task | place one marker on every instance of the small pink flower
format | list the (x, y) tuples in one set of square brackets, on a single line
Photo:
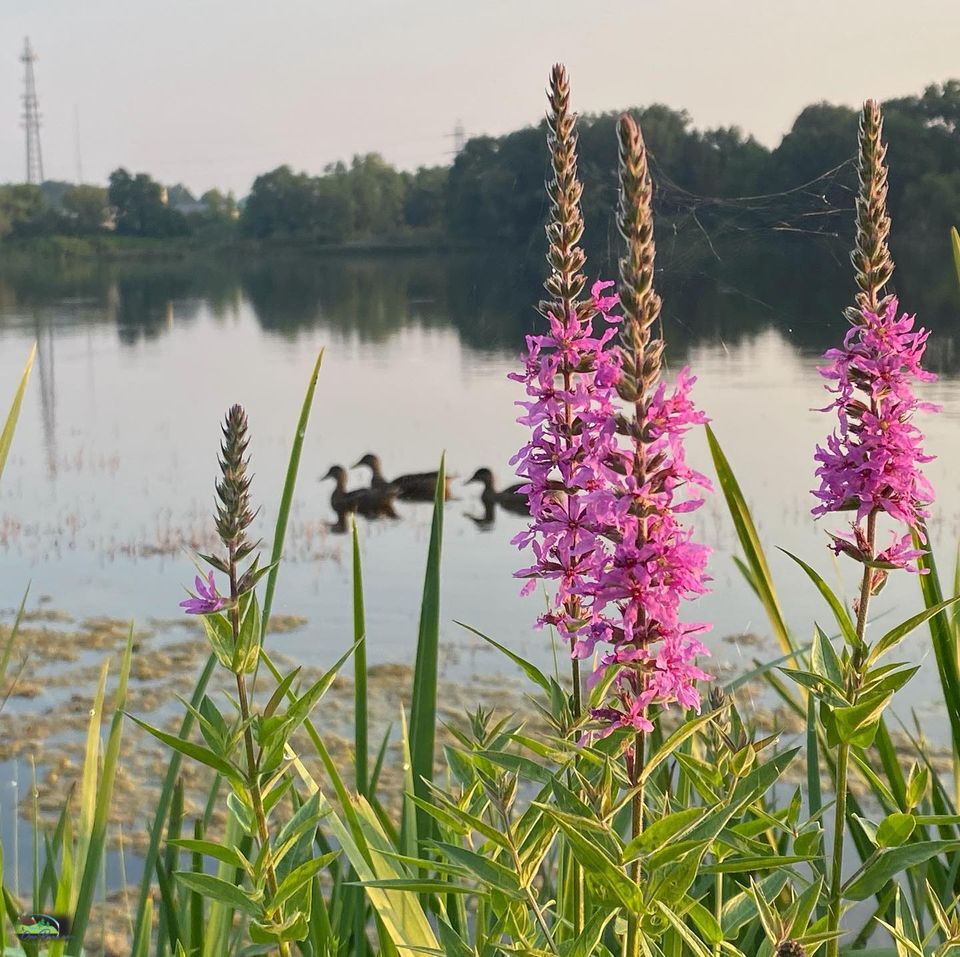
[(207, 600)]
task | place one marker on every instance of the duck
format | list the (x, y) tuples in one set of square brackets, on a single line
[(512, 499), (365, 501), (417, 486)]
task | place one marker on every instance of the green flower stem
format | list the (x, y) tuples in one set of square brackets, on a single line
[(528, 892), (633, 924), (253, 783), (718, 908), (843, 753)]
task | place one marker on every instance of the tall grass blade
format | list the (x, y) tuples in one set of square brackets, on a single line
[(286, 499), (6, 436), (423, 705), (761, 580), (944, 646), (104, 800), (7, 652), (359, 673), (955, 243), (141, 928)]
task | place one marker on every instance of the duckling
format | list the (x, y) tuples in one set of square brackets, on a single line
[(415, 487), (365, 501), (512, 499)]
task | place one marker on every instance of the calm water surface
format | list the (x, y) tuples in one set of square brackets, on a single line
[(112, 472)]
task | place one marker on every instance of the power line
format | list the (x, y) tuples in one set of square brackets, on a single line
[(31, 116)]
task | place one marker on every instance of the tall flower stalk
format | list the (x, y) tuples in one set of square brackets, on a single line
[(566, 281), (233, 626), (655, 562), (607, 487), (870, 464)]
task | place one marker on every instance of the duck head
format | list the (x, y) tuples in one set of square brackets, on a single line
[(371, 461), (337, 472), (482, 475)]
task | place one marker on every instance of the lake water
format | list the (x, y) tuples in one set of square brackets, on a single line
[(112, 471)]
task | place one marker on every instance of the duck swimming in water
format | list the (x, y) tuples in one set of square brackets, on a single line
[(365, 501), (511, 498), (415, 487)]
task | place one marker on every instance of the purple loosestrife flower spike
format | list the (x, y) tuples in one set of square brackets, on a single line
[(234, 513), (870, 464), (871, 256), (606, 489), (654, 564), (565, 256), (569, 381), (207, 599)]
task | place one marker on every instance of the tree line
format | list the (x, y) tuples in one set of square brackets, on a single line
[(493, 191)]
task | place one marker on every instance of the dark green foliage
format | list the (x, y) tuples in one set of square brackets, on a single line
[(140, 207)]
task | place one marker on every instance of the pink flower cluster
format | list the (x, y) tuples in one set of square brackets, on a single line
[(871, 463), (605, 520)]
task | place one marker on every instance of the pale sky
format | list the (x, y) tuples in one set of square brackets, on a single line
[(213, 92)]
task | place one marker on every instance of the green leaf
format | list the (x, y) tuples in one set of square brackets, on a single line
[(530, 670), (895, 829), (685, 731), (246, 653), (669, 884), (286, 498), (941, 635), (597, 863), (299, 877), (955, 243), (423, 708), (300, 709), (889, 862), (893, 637), (360, 704), (483, 868), (847, 628), (857, 723), (196, 751), (761, 580), (220, 635), (223, 891), (741, 865), (142, 929), (588, 942), (96, 839), (220, 852), (824, 659), (9, 427), (663, 831)]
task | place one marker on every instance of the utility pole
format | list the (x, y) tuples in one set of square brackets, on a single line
[(76, 126), (31, 116), (459, 137)]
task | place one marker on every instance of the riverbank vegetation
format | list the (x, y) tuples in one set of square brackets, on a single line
[(640, 808), (492, 193)]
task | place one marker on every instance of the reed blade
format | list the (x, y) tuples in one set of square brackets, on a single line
[(6, 436), (423, 705)]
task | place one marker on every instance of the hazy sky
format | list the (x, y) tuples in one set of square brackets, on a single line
[(212, 92)]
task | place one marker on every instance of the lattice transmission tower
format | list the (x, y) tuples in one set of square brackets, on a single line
[(31, 116)]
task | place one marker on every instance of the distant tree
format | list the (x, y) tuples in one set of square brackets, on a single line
[(284, 204), (21, 208), (139, 207), (87, 207), (377, 191), (424, 205), (220, 206)]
